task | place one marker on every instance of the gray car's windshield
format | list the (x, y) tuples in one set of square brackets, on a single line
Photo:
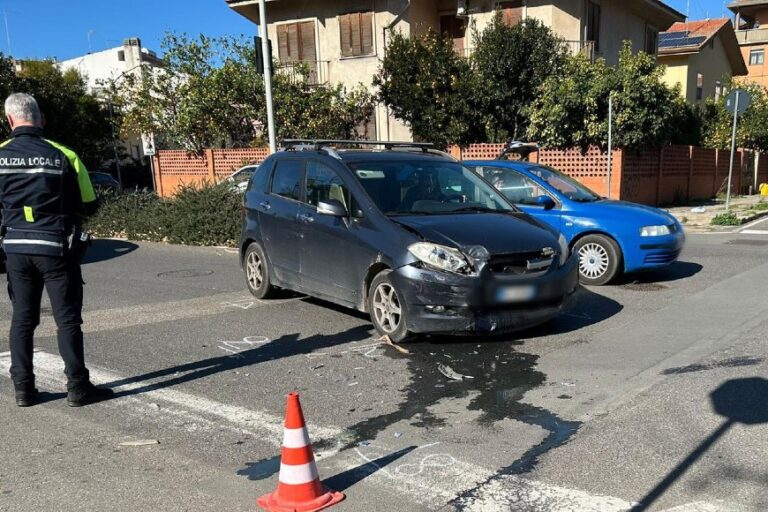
[(427, 188)]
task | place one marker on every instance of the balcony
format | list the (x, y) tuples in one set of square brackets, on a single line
[(311, 72), (586, 48), (752, 36)]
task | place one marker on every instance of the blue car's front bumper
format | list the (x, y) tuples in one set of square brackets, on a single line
[(641, 253)]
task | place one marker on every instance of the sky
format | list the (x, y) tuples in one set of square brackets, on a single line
[(69, 28)]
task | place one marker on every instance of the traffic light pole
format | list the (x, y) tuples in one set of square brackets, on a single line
[(267, 74)]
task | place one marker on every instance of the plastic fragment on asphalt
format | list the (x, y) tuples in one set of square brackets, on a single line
[(318, 367), (353, 384), (363, 443), (448, 372), (698, 209), (141, 442), (398, 434)]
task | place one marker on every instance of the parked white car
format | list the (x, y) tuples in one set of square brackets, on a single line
[(242, 176)]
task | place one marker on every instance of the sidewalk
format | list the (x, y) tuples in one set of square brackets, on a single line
[(697, 217)]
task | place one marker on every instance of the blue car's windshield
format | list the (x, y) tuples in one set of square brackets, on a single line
[(427, 188), (564, 184)]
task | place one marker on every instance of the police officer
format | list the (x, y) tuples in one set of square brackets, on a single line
[(45, 191)]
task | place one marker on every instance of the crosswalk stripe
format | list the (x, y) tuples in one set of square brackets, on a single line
[(49, 368)]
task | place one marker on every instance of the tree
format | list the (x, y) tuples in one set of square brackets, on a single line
[(429, 87), (511, 64), (208, 94), (572, 108), (752, 129), (73, 116)]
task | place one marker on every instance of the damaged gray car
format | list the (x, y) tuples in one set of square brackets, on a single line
[(403, 232)]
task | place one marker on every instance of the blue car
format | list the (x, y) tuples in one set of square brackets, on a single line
[(610, 237)]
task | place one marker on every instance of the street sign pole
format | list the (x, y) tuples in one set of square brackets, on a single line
[(733, 152), (267, 74), (610, 141)]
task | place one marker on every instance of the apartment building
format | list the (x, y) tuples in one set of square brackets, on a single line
[(343, 41), (751, 22)]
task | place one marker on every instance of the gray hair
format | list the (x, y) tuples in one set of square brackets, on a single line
[(23, 107)]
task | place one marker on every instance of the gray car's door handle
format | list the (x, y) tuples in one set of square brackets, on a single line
[(307, 218), (265, 205)]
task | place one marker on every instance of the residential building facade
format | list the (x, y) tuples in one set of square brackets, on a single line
[(751, 22), (102, 67), (701, 56), (344, 41)]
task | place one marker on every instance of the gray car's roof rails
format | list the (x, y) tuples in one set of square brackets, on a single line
[(518, 148), (387, 144)]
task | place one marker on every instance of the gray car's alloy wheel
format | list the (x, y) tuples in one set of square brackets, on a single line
[(387, 309), (599, 259), (256, 271)]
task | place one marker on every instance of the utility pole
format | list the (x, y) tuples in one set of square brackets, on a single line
[(610, 140), (267, 75), (7, 33), (733, 151)]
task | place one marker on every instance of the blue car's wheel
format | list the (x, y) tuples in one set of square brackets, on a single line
[(599, 259)]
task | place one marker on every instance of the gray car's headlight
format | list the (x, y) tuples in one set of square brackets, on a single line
[(440, 257), (565, 251), (654, 231)]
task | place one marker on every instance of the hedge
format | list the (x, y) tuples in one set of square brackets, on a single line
[(198, 215)]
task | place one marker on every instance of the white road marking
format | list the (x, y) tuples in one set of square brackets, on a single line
[(427, 476), (754, 232), (49, 368)]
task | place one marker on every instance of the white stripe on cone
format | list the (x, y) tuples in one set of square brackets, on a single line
[(295, 437), (299, 474)]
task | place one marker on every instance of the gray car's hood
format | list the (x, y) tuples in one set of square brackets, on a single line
[(499, 233)]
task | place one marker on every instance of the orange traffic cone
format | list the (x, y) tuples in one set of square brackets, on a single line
[(299, 488)]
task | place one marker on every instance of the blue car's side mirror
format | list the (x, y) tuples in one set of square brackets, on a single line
[(547, 202)]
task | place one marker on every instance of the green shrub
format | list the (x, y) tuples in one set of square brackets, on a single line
[(204, 215), (726, 219), (759, 207), (198, 215)]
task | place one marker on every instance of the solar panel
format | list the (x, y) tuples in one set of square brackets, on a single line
[(679, 39)]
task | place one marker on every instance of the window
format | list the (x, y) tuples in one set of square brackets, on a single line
[(718, 89), (323, 184), (515, 187), (121, 55), (356, 32), (456, 29), (699, 87), (756, 57), (511, 12), (286, 181), (592, 28), (296, 42), (651, 40)]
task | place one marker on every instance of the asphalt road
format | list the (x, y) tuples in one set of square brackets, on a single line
[(651, 391)]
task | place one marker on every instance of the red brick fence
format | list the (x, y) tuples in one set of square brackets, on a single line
[(664, 176)]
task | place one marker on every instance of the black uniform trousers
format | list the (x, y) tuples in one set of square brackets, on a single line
[(62, 278)]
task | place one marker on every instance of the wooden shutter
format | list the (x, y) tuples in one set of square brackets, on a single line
[(345, 33), (292, 37), (308, 50), (512, 12), (357, 41), (366, 31), (282, 43)]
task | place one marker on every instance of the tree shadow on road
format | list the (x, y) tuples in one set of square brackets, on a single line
[(103, 250), (285, 346), (742, 401)]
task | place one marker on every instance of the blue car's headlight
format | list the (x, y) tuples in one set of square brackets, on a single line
[(654, 231)]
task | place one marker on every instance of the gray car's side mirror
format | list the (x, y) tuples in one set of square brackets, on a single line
[(332, 207)]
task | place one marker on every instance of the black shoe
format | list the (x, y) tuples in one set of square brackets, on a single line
[(26, 397), (88, 394)]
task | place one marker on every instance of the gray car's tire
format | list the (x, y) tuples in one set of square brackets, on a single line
[(387, 309), (256, 268), (599, 259)]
